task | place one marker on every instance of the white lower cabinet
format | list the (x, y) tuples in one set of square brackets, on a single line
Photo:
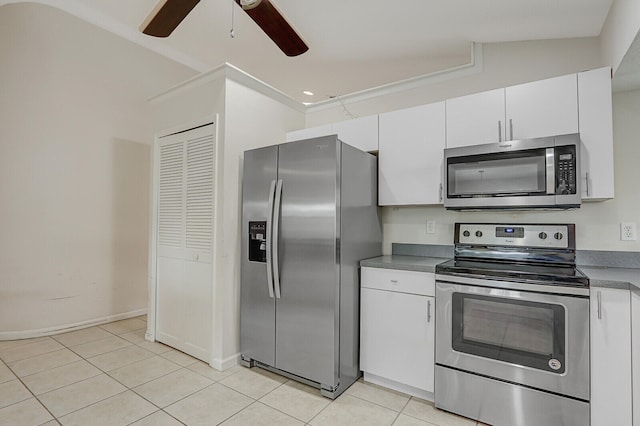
[(610, 319), (397, 332), (635, 355)]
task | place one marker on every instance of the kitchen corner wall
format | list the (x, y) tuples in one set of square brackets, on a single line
[(75, 135), (597, 222)]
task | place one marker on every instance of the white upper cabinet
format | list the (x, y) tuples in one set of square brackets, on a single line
[(361, 133), (532, 110), (542, 108), (410, 155), (596, 133), (311, 132), (476, 119)]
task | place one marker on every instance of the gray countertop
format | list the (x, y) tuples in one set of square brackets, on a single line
[(622, 278), (407, 263)]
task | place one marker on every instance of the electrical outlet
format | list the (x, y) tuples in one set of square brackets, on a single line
[(628, 231), (431, 227)]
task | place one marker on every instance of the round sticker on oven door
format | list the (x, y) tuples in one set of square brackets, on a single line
[(554, 364)]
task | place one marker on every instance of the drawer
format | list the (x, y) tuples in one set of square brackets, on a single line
[(412, 282)]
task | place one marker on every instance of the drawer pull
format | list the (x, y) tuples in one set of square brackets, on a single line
[(394, 281)]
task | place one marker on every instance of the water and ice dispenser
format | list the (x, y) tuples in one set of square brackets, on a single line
[(258, 241)]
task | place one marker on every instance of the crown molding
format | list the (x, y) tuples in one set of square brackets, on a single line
[(231, 72), (474, 66)]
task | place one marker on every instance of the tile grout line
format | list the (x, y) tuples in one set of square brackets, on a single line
[(30, 391)]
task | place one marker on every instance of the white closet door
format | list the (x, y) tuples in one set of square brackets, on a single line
[(185, 235)]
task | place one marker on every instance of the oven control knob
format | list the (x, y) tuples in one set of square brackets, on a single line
[(542, 235), (558, 235), (478, 234), (466, 233)]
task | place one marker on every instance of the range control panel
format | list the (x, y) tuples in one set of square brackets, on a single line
[(515, 235)]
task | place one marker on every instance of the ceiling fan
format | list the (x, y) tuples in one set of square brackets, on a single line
[(168, 14)]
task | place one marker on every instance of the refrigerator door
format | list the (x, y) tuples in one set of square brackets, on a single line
[(307, 313), (257, 306)]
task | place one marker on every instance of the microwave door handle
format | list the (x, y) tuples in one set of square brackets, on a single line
[(551, 170)]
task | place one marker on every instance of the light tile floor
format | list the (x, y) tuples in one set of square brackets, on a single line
[(109, 375)]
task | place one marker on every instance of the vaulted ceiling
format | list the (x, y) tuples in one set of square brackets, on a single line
[(353, 44)]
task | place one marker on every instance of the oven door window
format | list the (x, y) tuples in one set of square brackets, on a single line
[(525, 333), (501, 174)]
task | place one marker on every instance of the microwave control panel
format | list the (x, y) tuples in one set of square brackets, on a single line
[(566, 173)]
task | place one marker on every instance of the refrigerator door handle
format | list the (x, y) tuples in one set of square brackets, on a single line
[(269, 234), (274, 238)]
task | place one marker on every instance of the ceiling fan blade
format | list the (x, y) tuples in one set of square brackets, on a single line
[(166, 16), (264, 13)]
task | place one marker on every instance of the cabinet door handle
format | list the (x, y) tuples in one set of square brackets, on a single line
[(428, 311), (499, 130), (510, 129), (440, 193), (599, 298), (587, 182)]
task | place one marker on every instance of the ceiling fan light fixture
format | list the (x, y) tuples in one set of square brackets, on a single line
[(250, 4)]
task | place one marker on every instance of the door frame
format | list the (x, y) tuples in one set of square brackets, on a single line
[(152, 276)]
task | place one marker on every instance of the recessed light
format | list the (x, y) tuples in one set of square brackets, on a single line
[(308, 93)]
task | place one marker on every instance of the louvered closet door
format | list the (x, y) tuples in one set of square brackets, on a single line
[(185, 240)]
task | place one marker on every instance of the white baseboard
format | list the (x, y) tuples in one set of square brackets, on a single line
[(224, 364), (400, 387), (28, 334)]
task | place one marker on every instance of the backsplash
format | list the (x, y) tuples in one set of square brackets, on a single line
[(610, 259)]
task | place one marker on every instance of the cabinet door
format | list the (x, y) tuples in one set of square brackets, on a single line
[(542, 108), (476, 119), (596, 133), (361, 133), (635, 355), (397, 337), (184, 234), (410, 156), (610, 357)]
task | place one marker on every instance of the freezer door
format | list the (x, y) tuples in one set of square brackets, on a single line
[(307, 311), (257, 307)]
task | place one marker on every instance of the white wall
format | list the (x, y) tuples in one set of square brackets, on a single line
[(597, 223), (619, 30), (75, 130)]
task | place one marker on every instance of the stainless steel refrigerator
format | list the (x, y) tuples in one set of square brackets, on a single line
[(309, 214)]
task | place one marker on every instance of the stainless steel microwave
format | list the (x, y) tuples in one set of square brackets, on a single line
[(523, 174)]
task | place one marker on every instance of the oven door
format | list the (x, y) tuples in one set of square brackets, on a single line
[(534, 339)]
